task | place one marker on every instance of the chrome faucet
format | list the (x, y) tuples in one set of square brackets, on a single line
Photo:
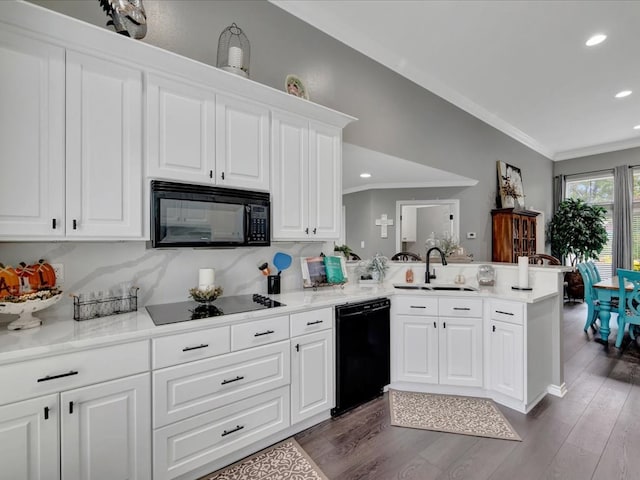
[(428, 275)]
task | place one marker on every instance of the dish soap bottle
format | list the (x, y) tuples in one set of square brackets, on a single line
[(408, 276)]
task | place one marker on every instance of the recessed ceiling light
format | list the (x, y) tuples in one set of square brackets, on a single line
[(623, 93), (365, 175), (637, 127), (596, 39)]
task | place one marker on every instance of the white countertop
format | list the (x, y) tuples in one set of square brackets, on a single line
[(61, 334)]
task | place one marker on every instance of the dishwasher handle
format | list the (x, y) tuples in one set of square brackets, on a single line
[(363, 312)]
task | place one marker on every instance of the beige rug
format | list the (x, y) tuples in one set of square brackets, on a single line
[(449, 413), (283, 461)]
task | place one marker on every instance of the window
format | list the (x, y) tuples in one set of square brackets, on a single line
[(597, 189), (635, 222)]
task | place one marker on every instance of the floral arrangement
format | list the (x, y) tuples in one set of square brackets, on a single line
[(205, 296), (508, 189), (374, 268)]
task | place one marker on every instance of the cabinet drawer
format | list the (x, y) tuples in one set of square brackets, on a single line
[(63, 372), (409, 305), (190, 346), (460, 307), (510, 312), (313, 321), (186, 390), (259, 332), (192, 443)]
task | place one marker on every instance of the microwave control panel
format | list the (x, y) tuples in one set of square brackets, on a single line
[(259, 223)]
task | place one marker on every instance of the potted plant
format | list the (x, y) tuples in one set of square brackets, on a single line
[(577, 232), (344, 249), (373, 269)]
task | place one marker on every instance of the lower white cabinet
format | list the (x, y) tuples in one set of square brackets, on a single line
[(312, 379), (29, 440), (506, 359), (184, 446), (432, 349), (106, 430)]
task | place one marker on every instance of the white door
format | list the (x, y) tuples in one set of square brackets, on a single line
[(180, 121), (106, 431), (242, 144), (461, 351), (31, 137), (506, 370), (311, 375), (29, 446), (325, 181), (290, 177), (417, 348), (104, 148)]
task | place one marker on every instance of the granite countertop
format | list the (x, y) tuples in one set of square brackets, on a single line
[(61, 334)]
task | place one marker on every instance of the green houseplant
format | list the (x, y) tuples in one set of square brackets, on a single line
[(576, 231), (373, 269)]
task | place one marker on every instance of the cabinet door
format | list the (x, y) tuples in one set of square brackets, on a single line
[(104, 148), (460, 351), (416, 346), (289, 177), (311, 375), (29, 446), (106, 431), (180, 130), (409, 222), (242, 144), (506, 368), (325, 181), (32, 137)]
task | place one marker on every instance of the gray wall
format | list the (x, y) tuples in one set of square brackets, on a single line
[(396, 116), (630, 156)]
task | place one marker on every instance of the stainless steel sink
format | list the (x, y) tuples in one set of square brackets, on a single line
[(435, 287)]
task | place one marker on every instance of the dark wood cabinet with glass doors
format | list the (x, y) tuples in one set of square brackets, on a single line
[(513, 234)]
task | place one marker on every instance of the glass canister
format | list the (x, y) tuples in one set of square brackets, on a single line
[(486, 276)]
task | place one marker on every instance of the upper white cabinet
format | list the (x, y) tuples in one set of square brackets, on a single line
[(306, 167), (72, 144), (32, 137), (104, 148), (242, 143), (180, 122)]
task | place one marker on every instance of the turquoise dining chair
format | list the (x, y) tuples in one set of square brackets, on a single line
[(593, 270), (628, 302), (590, 297)]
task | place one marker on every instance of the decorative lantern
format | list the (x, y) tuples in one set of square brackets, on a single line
[(234, 51)]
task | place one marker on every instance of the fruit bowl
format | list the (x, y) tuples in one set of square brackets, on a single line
[(26, 305)]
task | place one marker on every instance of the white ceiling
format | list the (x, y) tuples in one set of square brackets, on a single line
[(391, 172), (520, 66)]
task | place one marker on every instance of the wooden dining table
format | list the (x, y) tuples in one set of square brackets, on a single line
[(606, 290)]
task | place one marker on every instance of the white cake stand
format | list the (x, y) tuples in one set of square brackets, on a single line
[(26, 310)]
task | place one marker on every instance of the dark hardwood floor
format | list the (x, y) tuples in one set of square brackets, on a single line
[(591, 433)]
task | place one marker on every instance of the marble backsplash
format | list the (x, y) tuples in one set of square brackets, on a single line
[(163, 275)]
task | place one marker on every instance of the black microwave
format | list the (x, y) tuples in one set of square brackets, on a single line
[(184, 215)]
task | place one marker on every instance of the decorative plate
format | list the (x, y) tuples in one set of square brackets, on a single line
[(295, 86)]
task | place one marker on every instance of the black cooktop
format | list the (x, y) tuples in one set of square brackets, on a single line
[(184, 311)]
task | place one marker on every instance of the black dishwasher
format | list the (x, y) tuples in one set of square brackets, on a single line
[(362, 352)]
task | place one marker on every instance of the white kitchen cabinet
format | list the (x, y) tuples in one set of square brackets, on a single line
[(437, 340), (32, 137), (242, 143), (312, 379), (306, 173), (103, 148), (29, 441), (75, 144), (506, 368), (105, 431), (180, 120), (409, 223)]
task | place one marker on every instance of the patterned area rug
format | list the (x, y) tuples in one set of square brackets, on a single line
[(448, 413), (283, 461)]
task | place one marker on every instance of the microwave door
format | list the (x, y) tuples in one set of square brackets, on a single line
[(227, 223)]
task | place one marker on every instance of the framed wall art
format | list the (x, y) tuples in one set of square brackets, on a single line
[(509, 186)]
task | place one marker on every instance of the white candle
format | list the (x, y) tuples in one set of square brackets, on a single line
[(235, 57), (206, 278), (523, 272)]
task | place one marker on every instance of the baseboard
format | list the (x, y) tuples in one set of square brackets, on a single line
[(558, 390)]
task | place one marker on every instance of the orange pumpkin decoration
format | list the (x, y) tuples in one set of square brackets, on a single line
[(28, 278), (44, 275), (9, 282)]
